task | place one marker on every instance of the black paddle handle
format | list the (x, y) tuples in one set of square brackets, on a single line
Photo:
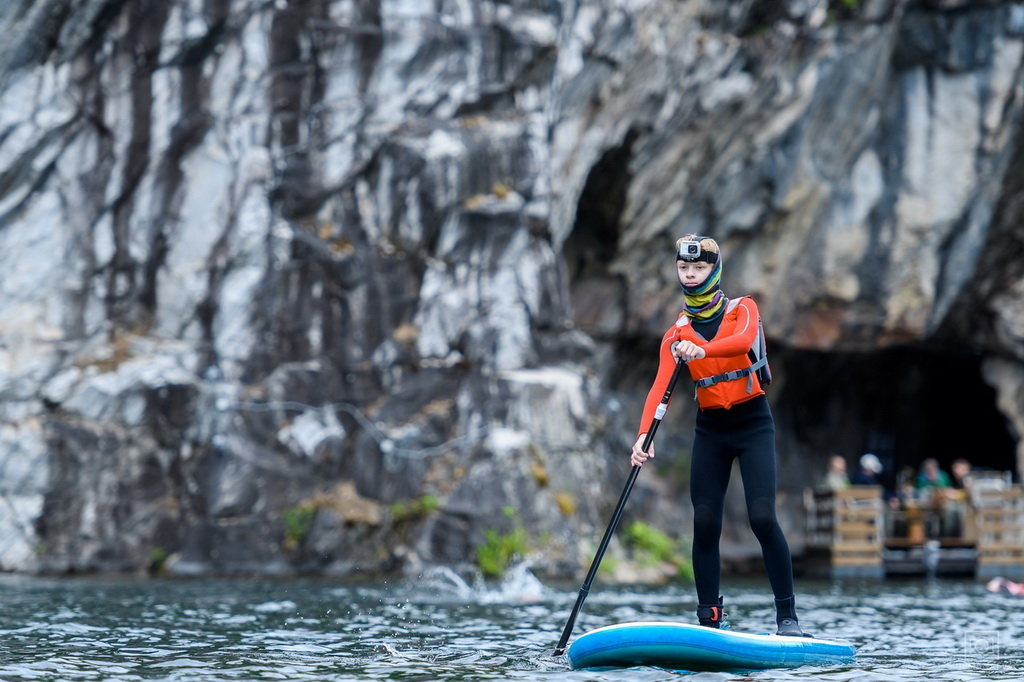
[(659, 414)]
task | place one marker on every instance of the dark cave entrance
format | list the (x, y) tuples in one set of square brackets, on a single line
[(903, 404), (598, 294)]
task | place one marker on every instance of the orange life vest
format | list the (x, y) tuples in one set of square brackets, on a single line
[(726, 376)]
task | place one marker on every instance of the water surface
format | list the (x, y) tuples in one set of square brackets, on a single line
[(441, 628)]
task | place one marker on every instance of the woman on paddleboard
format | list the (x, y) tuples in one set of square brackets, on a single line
[(714, 336)]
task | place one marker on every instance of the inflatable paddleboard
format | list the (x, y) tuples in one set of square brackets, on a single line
[(682, 646)]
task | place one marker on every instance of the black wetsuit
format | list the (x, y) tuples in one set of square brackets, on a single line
[(745, 432)]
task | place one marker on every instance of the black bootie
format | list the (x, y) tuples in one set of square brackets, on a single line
[(712, 615), (785, 618)]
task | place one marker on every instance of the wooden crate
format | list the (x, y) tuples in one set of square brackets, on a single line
[(847, 525), (857, 527), (997, 520)]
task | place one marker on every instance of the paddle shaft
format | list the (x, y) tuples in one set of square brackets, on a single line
[(659, 414)]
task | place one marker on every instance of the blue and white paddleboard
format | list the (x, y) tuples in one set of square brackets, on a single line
[(681, 646)]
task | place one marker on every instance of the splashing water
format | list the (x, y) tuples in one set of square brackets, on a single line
[(519, 585), (444, 580)]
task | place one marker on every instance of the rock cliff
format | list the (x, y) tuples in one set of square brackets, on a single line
[(338, 286)]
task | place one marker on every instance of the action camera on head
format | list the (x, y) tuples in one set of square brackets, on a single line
[(689, 251)]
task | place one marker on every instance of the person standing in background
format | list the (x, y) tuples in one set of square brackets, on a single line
[(870, 468), (836, 478), (961, 473), (931, 476)]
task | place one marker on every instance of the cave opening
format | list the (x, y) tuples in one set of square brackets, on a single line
[(598, 294), (903, 404)]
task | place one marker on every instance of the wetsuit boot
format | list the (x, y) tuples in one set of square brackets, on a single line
[(785, 618), (712, 615)]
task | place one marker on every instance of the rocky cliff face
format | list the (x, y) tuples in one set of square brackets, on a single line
[(339, 286)]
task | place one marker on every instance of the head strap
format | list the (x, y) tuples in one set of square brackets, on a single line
[(690, 251)]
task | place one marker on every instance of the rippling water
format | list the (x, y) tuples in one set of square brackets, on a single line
[(440, 628)]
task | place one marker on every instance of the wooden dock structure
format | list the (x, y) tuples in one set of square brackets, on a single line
[(854, 532), (997, 523), (845, 528)]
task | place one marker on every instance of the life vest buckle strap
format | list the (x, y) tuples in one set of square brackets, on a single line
[(719, 378), (733, 375)]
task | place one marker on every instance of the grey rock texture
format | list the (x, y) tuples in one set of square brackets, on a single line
[(338, 286)]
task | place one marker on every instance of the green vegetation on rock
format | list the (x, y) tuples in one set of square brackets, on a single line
[(412, 509), (499, 549), (651, 546), (297, 522)]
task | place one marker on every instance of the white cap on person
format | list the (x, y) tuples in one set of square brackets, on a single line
[(871, 463)]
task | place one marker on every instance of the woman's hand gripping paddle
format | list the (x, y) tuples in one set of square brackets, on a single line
[(617, 514)]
